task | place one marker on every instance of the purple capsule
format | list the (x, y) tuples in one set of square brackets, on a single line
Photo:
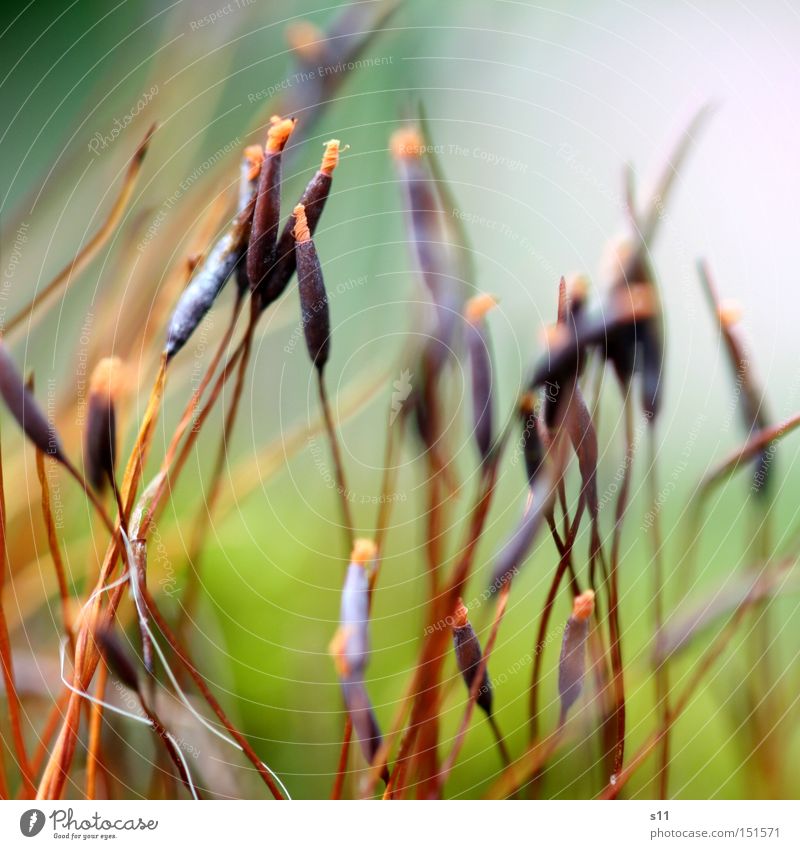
[(572, 662), (313, 297), (429, 236), (267, 213), (481, 370), (313, 201), (26, 411), (100, 441), (350, 647), (250, 172), (199, 296), (469, 655), (117, 658)]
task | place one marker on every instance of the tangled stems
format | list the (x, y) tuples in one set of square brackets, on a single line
[(618, 682)]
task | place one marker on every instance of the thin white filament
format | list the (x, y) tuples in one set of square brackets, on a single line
[(144, 624), (90, 698), (127, 714), (180, 754)]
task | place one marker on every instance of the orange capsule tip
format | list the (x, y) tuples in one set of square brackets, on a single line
[(554, 335), (279, 132), (337, 650), (460, 614), (305, 39), (642, 300), (106, 377), (407, 143), (730, 313), (583, 606), (330, 159), (364, 551), (254, 156), (578, 287), (301, 231), (477, 307), (527, 403)]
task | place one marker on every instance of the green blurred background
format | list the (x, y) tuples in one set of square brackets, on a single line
[(536, 108)]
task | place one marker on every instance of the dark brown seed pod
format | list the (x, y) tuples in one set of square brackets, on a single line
[(249, 173), (639, 347), (313, 297), (652, 345), (612, 331), (572, 662), (557, 394), (481, 369), (530, 442), (266, 217), (22, 405), (313, 201), (468, 656), (100, 440), (117, 658)]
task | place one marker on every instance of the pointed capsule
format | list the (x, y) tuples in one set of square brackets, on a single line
[(23, 407), (481, 370), (249, 173), (572, 662), (354, 613), (560, 388), (362, 715), (345, 38), (751, 396), (226, 257), (307, 42), (469, 655), (313, 201), (530, 442), (430, 238), (350, 647), (313, 297), (199, 296), (639, 346), (100, 440), (652, 344), (117, 658), (612, 332), (266, 217), (583, 437)]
